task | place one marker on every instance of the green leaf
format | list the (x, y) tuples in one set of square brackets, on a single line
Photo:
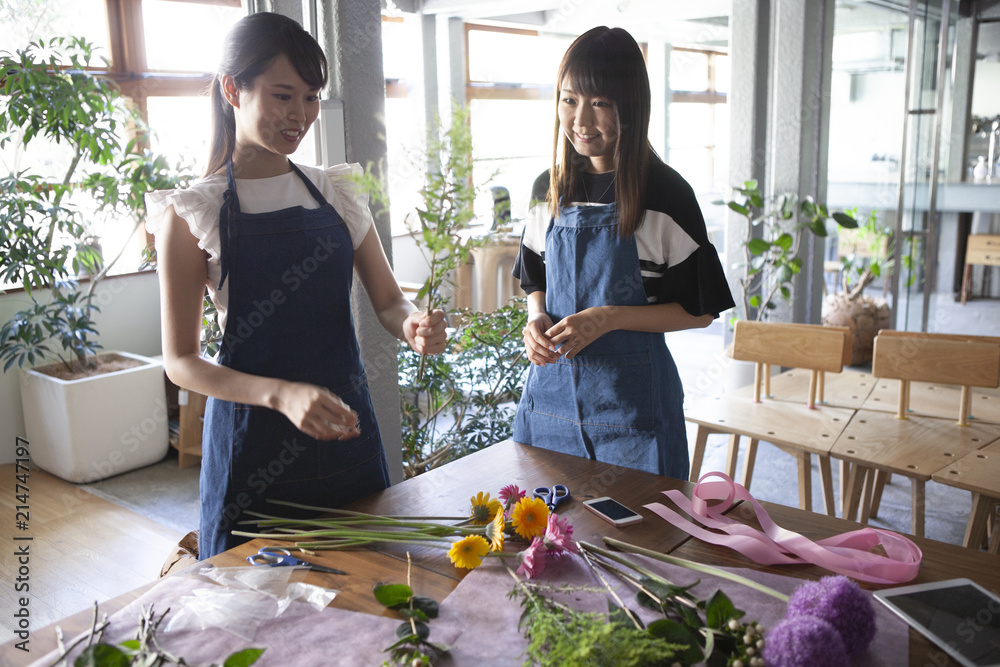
[(131, 645), (101, 655), (406, 612), (784, 241), (392, 595), (846, 221), (719, 610), (739, 208), (426, 605), (675, 633), (758, 246), (404, 630), (243, 658)]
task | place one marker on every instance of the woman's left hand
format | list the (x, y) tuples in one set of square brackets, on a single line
[(426, 333), (580, 330)]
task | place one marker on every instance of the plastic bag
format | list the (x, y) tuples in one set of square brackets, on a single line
[(239, 599)]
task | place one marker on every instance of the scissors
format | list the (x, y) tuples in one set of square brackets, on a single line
[(552, 496), (276, 556)]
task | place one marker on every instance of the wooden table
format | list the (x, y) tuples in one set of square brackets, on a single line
[(447, 490)]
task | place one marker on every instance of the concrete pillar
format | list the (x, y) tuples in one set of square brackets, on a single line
[(798, 137), (350, 32), (749, 48)]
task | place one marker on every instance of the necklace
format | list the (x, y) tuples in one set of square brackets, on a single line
[(587, 195)]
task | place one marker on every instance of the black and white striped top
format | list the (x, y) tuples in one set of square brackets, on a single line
[(676, 259)]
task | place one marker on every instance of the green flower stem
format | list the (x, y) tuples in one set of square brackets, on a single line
[(335, 510), (611, 592), (691, 565), (372, 536)]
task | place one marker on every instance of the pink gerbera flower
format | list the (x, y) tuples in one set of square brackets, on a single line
[(509, 495), (532, 559), (558, 537)]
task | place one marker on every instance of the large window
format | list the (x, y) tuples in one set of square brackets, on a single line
[(162, 53)]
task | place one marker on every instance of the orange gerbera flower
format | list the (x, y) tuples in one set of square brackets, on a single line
[(529, 518)]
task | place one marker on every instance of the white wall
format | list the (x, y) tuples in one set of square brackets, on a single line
[(129, 320)]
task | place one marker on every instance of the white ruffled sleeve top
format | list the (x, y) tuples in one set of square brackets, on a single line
[(199, 206)]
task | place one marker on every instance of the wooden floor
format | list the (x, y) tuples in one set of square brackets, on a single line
[(83, 549)]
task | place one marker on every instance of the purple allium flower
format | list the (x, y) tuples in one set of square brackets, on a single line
[(841, 603), (804, 641), (558, 536), (532, 559)]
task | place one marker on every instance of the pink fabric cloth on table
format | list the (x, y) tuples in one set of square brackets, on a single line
[(487, 620), (848, 554), (478, 620)]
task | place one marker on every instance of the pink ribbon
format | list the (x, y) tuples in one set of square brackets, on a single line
[(848, 553)]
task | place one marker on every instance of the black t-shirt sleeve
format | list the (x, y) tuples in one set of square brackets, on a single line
[(529, 267), (682, 266)]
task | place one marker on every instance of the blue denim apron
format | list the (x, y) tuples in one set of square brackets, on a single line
[(290, 275), (620, 400)]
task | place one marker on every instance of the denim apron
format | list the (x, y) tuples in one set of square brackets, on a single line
[(620, 400), (290, 275)]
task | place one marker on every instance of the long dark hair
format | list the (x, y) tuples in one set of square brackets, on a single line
[(607, 62), (250, 48)]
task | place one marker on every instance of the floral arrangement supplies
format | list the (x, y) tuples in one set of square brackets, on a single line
[(484, 603)]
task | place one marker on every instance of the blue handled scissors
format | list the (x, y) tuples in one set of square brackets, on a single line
[(276, 556), (553, 496)]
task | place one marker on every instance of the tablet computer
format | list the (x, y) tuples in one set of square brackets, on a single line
[(959, 615)]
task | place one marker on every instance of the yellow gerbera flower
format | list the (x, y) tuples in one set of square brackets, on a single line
[(494, 532), (530, 516), (468, 552), (483, 509)]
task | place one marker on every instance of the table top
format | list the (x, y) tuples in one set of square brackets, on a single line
[(447, 490)]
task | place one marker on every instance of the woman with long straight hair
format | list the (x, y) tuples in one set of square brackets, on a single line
[(276, 244), (614, 254)]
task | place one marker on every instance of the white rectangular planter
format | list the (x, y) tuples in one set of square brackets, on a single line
[(96, 427)]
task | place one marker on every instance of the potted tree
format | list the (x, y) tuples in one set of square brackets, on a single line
[(775, 227), (87, 415), (865, 255)]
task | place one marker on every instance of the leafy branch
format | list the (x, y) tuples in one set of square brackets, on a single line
[(142, 651), (774, 230)]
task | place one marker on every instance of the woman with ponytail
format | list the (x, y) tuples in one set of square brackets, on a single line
[(614, 254), (277, 244)]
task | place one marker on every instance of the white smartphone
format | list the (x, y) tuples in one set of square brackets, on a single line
[(612, 511), (959, 615)]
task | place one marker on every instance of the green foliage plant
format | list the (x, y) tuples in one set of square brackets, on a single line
[(466, 397), (870, 258), (463, 399), (775, 227), (51, 95)]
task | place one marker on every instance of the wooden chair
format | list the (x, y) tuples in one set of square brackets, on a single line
[(980, 249), (979, 473), (799, 428), (917, 446)]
